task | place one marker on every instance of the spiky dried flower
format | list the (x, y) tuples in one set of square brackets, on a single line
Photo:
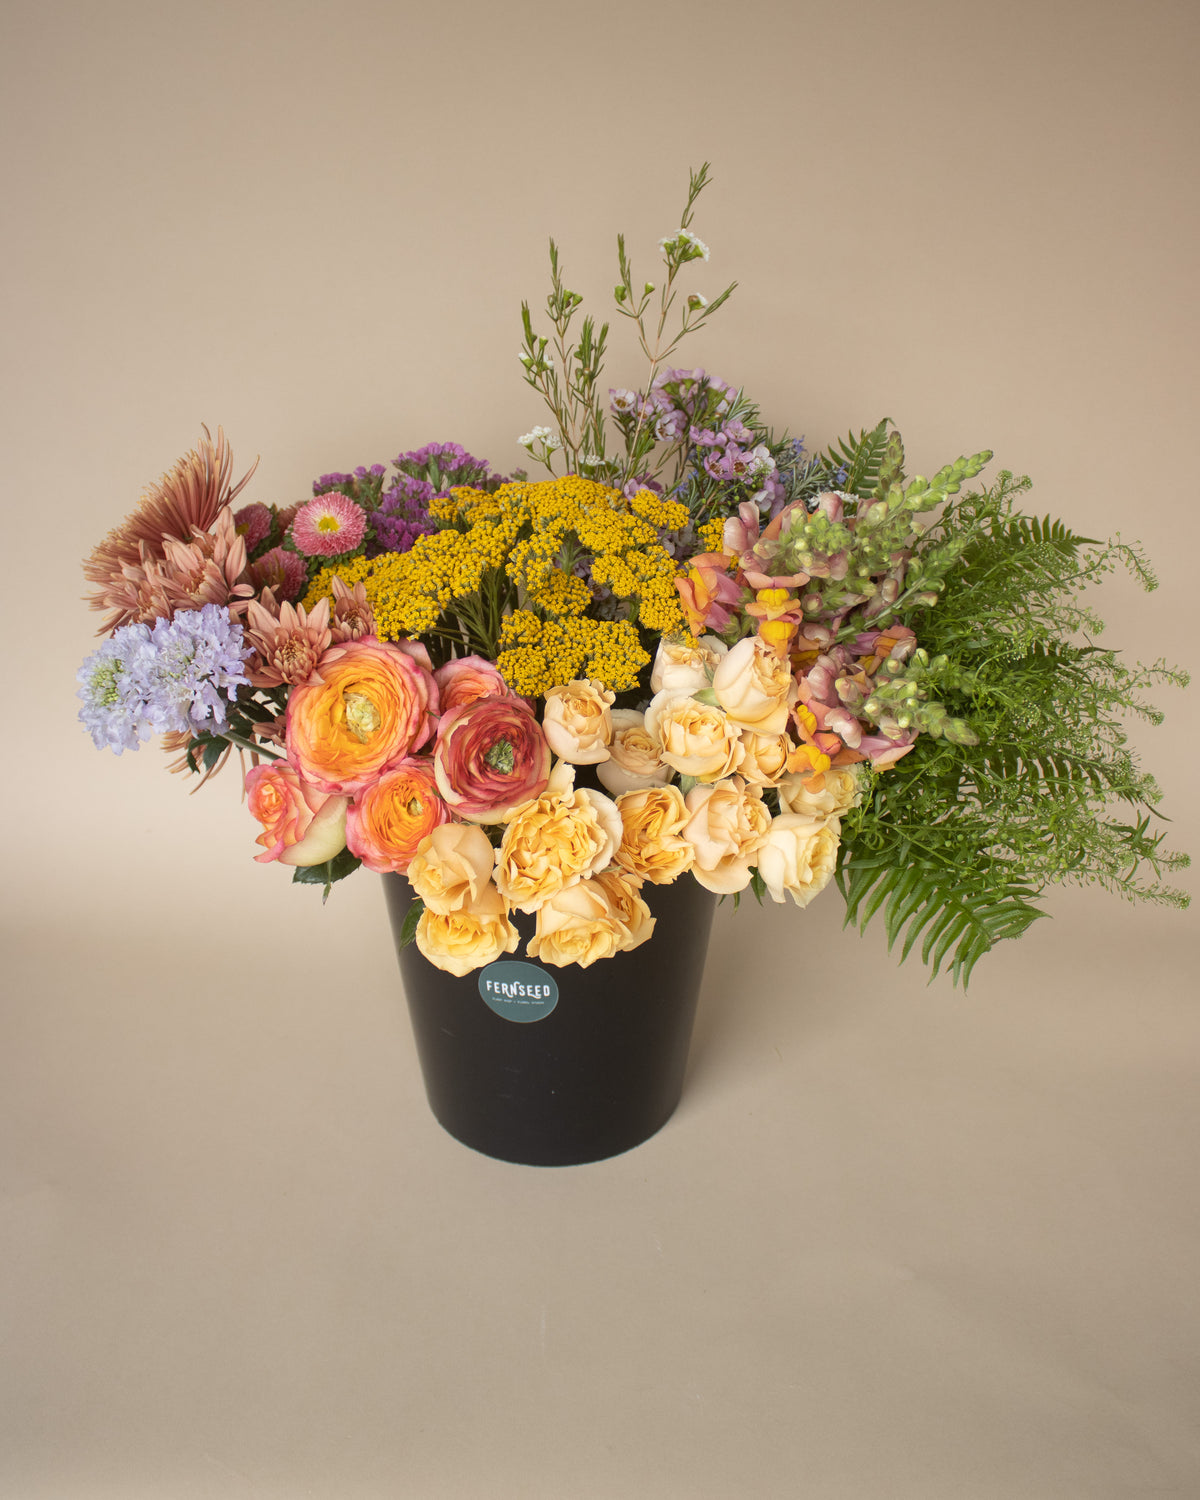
[(183, 502), (187, 576)]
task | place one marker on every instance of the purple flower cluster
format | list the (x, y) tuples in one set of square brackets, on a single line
[(403, 512), (445, 465), (403, 515), (694, 407), (332, 482), (145, 681)]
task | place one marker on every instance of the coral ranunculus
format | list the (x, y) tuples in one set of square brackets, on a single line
[(388, 821), (301, 825), (374, 707), (466, 678), (491, 756)]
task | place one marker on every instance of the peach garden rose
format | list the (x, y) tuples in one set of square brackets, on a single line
[(554, 842), (301, 825), (825, 794), (591, 920), (452, 866), (577, 721), (798, 857), (763, 758), (634, 759), (652, 845), (466, 939), (727, 825), (697, 739), (683, 668), (753, 683)]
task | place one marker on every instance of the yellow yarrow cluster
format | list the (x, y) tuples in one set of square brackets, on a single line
[(661, 513), (537, 654), (712, 535), (525, 531)]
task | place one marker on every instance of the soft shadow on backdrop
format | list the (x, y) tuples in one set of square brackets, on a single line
[(897, 1241)]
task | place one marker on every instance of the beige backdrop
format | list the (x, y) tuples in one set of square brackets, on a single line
[(897, 1242)]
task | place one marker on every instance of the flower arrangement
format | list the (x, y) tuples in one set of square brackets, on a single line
[(693, 650)]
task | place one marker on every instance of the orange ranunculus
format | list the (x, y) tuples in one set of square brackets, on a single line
[(373, 707), (387, 821)]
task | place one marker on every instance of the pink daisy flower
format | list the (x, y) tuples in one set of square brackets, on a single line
[(328, 526)]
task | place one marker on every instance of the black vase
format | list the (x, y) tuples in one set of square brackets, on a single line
[(556, 1066)]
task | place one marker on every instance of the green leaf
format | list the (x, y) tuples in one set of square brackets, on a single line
[(408, 932), (337, 868)]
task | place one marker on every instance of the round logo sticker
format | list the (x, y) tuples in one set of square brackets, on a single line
[(517, 991)]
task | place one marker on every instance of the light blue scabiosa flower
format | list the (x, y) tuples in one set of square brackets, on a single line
[(170, 678), (113, 706)]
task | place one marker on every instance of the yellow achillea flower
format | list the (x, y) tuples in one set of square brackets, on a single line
[(529, 536), (712, 535), (659, 512), (537, 655)]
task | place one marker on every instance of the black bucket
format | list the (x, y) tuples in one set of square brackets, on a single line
[(558, 1066)]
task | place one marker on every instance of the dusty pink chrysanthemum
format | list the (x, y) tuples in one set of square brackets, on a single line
[(185, 576), (288, 643), (254, 523), (281, 571), (328, 526), (352, 616)]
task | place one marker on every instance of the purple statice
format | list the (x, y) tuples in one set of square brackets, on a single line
[(331, 482), (447, 465), (147, 681), (402, 516)]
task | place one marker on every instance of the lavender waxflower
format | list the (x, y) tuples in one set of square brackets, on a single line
[(147, 681)]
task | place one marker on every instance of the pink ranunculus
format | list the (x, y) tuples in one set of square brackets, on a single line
[(490, 756), (418, 651), (466, 678), (301, 825)]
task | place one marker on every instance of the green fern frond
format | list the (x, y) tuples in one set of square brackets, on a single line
[(957, 915), (862, 458)]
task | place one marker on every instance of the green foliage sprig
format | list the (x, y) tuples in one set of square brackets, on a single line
[(565, 374)]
